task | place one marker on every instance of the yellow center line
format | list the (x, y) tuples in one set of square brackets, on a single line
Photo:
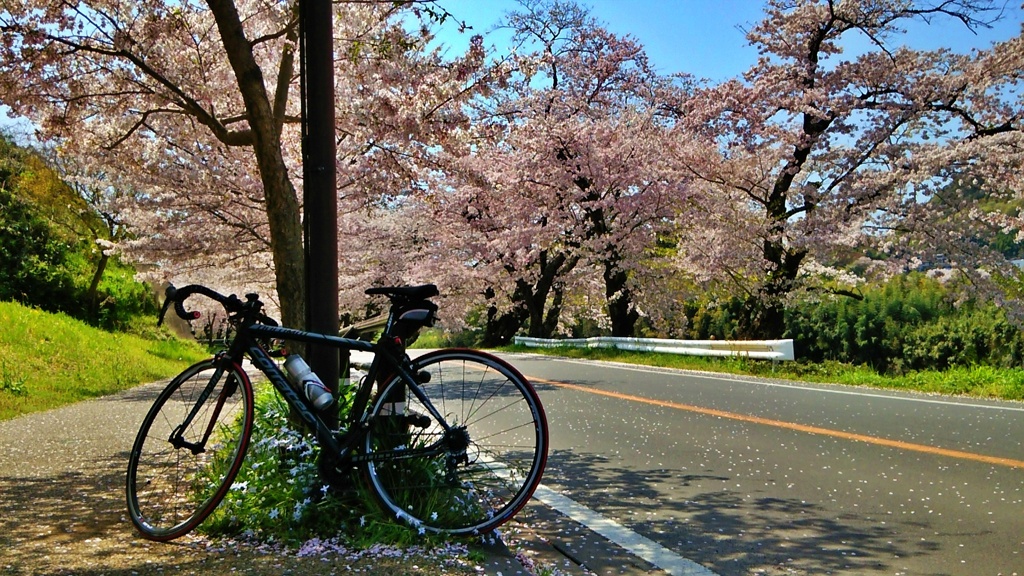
[(791, 426)]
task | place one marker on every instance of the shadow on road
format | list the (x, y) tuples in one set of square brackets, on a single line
[(146, 394), (731, 531), (74, 523)]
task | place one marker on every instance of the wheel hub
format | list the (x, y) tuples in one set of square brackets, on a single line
[(458, 440)]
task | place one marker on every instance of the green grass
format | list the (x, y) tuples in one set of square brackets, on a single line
[(49, 360), (279, 496), (976, 381)]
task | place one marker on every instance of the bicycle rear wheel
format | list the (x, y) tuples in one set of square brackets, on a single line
[(480, 472), (189, 449)]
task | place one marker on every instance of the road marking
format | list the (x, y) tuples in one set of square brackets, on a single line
[(1009, 462), (811, 387), (638, 545)]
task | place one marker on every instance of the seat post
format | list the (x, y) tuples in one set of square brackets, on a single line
[(409, 309)]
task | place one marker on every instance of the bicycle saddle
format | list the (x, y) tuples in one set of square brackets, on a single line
[(406, 292)]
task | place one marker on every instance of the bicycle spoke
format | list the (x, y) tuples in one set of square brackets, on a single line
[(170, 489), (494, 415)]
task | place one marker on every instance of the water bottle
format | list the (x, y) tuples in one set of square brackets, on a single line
[(303, 377)]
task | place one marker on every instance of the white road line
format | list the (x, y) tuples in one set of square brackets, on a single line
[(636, 544), (810, 387)]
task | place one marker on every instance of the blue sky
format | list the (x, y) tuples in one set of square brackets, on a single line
[(700, 37), (703, 37)]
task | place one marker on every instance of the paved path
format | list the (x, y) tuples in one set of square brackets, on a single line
[(752, 476), (62, 507), (61, 488)]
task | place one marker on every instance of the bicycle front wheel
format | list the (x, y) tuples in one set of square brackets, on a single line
[(189, 449), (473, 473)]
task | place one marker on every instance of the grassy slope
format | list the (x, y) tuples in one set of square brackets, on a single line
[(48, 360)]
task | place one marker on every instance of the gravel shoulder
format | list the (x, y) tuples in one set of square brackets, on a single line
[(62, 508)]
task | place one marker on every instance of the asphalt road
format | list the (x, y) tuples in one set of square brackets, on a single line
[(746, 476)]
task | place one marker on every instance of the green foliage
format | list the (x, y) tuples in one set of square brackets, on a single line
[(272, 497), (50, 360), (279, 495), (11, 381), (980, 336), (906, 324), (437, 338), (430, 338), (34, 267), (122, 299), (714, 318), (47, 253)]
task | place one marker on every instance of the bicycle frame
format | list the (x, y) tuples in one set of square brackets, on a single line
[(384, 364)]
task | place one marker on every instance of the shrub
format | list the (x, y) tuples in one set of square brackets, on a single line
[(47, 253), (33, 261), (972, 337), (122, 299), (905, 324)]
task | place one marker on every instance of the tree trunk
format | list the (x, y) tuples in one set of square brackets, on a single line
[(530, 303), (279, 194), (763, 318), (621, 311), (544, 316), (286, 239), (94, 286), (500, 328), (764, 311), (554, 312)]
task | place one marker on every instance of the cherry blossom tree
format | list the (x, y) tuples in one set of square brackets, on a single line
[(826, 151), (164, 79), (168, 79), (103, 225), (569, 178), (196, 105)]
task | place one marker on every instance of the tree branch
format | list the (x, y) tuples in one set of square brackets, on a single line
[(287, 70), (188, 104), (140, 123)]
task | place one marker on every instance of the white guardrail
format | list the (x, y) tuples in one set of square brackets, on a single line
[(760, 349)]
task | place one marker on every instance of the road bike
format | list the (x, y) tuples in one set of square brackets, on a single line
[(454, 441)]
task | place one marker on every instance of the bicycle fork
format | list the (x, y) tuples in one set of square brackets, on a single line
[(177, 437)]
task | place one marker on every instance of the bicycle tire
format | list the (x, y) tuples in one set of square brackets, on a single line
[(171, 490), (467, 492)]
